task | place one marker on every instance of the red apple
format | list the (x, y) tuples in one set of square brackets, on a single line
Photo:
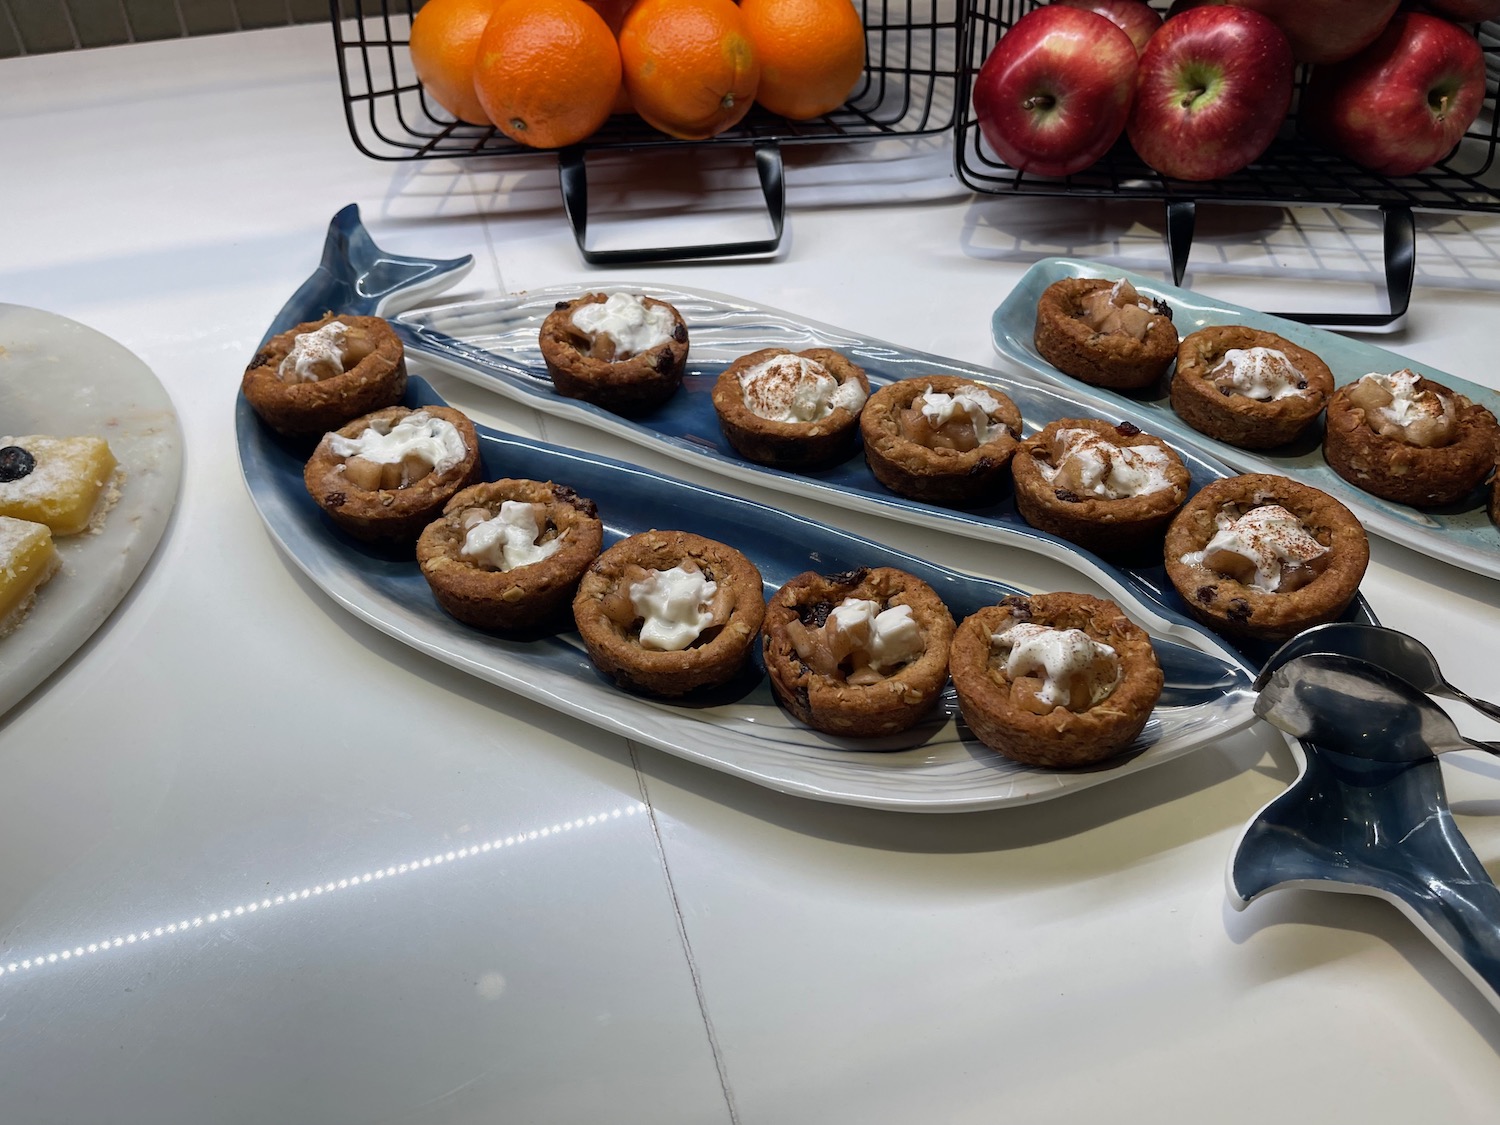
[(1470, 11), (1053, 95), (1402, 104), (1215, 84), (1320, 31), (1135, 18)]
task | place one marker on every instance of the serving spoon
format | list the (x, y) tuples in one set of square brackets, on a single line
[(1355, 707), (1396, 652)]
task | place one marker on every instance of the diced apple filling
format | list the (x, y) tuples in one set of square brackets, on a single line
[(1395, 408), (960, 421), (1119, 310), (859, 641)]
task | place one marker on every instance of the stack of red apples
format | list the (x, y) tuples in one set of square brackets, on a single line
[(1203, 91)]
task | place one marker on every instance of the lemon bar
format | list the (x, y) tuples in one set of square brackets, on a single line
[(27, 559), (57, 481)]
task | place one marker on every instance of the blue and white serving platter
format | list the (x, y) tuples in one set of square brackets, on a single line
[(937, 767), (1461, 534)]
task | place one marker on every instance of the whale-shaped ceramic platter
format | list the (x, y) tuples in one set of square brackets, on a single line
[(1461, 535), (937, 767)]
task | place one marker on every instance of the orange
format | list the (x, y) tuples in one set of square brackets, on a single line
[(613, 12), (812, 52), (689, 65), (547, 71), (444, 39)]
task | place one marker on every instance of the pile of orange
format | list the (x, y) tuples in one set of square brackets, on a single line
[(548, 73)]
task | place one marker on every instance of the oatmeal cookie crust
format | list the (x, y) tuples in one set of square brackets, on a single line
[(1235, 418), (1121, 363), (936, 476), (1106, 527), (306, 409), (828, 703), (1238, 610), (525, 596), (1410, 474), (629, 386), (616, 649), (396, 514), (1062, 737), (788, 445)]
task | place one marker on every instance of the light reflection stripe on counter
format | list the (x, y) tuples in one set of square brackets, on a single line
[(197, 921)]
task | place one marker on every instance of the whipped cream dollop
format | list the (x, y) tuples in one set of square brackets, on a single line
[(1396, 408), (974, 403), (1268, 538), (1076, 671), (1263, 374), (508, 539), (1089, 464), (627, 321), (435, 442), (793, 388), (673, 606), (315, 355)]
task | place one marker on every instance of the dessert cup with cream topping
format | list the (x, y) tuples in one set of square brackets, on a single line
[(859, 654), (1105, 333), (1264, 557), (1055, 679), (1249, 388), (508, 554), (385, 476), (668, 612), (791, 410), (1405, 438), (317, 376), (622, 351), (941, 439), (1111, 489)]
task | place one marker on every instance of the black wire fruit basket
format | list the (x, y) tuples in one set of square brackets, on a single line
[(1293, 171), (909, 88)]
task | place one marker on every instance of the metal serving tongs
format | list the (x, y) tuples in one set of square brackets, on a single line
[(1352, 706), (1395, 652)]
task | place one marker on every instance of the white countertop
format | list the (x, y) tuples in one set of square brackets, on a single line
[(716, 951)]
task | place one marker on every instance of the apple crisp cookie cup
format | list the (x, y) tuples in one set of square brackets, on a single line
[(469, 585), (610, 621), (940, 457), (1086, 510), (1205, 398), (390, 502), (1010, 709), (1436, 458), (1123, 350), (588, 366), (796, 445), (1314, 592), (827, 677), (363, 373)]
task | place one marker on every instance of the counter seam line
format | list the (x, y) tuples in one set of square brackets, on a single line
[(682, 934)]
